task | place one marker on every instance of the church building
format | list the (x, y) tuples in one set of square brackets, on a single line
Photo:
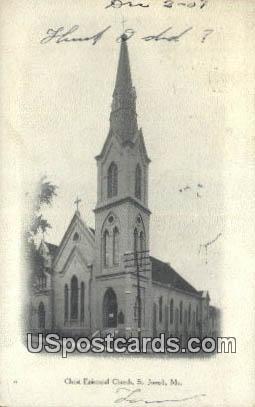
[(106, 279)]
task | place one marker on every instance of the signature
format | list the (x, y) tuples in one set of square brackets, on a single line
[(131, 397)]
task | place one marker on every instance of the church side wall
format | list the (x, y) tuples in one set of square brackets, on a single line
[(184, 325)]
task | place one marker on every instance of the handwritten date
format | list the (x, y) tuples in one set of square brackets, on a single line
[(166, 3)]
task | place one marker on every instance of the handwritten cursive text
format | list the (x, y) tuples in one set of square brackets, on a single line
[(60, 35), (131, 397)]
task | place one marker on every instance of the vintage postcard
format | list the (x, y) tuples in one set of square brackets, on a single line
[(127, 203)]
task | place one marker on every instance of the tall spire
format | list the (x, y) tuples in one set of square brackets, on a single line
[(123, 79), (123, 119)]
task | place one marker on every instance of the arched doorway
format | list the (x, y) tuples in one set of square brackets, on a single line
[(41, 315), (110, 309), (74, 297)]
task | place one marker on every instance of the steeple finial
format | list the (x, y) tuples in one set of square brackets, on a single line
[(77, 202)]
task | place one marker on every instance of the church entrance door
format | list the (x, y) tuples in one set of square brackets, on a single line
[(110, 309)]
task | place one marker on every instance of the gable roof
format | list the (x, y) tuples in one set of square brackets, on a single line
[(165, 274), (75, 251), (76, 218)]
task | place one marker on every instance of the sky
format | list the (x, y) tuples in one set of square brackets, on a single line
[(64, 94)]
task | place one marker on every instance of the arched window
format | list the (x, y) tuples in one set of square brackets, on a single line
[(141, 248), (106, 248), (74, 298), (115, 246), (171, 311), (160, 303), (189, 315), (82, 301), (41, 315), (66, 303), (181, 311), (138, 182), (112, 180), (142, 242), (135, 240), (43, 281)]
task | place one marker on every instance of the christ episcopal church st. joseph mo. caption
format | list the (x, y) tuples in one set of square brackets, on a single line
[(105, 278)]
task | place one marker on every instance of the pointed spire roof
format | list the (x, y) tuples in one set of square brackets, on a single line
[(123, 118), (123, 79)]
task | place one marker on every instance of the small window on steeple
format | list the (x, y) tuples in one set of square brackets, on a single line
[(76, 237), (112, 180), (138, 182)]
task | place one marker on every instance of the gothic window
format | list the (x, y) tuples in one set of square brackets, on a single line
[(181, 311), (76, 237), (171, 311), (66, 302), (106, 248), (110, 250), (135, 240), (112, 180), (141, 256), (82, 301), (142, 242), (41, 315), (160, 309), (115, 246), (42, 281), (74, 298), (138, 182), (189, 314), (139, 241)]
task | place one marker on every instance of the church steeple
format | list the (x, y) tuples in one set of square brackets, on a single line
[(123, 161), (122, 185), (123, 118)]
